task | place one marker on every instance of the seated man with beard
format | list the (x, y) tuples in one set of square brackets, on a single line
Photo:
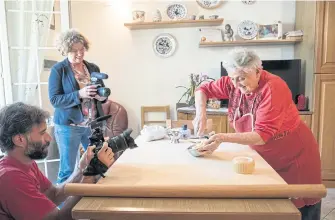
[(25, 193)]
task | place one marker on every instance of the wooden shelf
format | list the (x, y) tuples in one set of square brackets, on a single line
[(248, 42), (174, 24)]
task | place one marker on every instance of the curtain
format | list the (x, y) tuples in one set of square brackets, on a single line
[(28, 28), (2, 88), (2, 94)]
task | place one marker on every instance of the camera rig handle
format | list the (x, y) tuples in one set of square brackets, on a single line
[(96, 138), (97, 122)]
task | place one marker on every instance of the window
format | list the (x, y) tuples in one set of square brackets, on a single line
[(28, 29)]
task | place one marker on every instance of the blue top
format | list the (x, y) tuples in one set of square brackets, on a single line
[(64, 92)]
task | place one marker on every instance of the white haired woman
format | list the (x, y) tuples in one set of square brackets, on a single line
[(265, 117), (71, 97)]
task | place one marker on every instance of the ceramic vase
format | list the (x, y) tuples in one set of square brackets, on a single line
[(157, 16)]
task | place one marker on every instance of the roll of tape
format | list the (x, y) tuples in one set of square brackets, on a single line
[(244, 165)]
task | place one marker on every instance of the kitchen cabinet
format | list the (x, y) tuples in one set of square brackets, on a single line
[(324, 126), (324, 88), (317, 19), (220, 119)]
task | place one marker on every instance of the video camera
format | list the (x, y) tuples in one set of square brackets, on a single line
[(96, 79), (117, 144)]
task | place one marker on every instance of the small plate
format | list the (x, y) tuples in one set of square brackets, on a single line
[(164, 45), (176, 11), (209, 4)]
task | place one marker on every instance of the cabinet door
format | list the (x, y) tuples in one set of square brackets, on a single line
[(181, 116), (219, 122), (230, 129), (325, 41), (324, 122), (307, 119)]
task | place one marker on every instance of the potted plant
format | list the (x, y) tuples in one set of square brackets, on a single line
[(195, 81)]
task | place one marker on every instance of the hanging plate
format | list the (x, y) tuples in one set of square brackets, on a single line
[(164, 45), (209, 4), (247, 30), (248, 2), (176, 11)]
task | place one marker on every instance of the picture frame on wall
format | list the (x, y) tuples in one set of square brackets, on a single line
[(269, 31), (48, 64), (210, 35)]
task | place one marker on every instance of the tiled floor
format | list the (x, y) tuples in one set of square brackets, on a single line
[(328, 205)]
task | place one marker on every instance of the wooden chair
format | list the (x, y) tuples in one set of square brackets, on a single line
[(145, 110), (180, 123)]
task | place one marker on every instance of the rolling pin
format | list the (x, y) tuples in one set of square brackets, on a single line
[(206, 191)]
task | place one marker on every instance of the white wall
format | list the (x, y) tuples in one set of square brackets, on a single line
[(136, 75)]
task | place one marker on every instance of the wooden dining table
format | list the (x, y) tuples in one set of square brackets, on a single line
[(162, 163)]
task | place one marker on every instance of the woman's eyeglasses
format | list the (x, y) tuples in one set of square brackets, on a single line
[(78, 51)]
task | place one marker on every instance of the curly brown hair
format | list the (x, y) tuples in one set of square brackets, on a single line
[(68, 38)]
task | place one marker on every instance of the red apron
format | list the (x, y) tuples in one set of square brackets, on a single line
[(294, 155)]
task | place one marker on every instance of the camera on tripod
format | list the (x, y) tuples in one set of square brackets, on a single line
[(96, 79)]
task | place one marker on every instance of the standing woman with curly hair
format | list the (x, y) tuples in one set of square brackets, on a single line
[(71, 98)]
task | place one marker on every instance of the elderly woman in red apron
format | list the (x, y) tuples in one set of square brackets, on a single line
[(263, 114)]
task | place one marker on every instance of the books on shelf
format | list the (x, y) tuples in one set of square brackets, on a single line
[(298, 33)]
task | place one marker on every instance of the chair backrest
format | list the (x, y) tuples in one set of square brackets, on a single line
[(146, 110), (119, 120), (180, 123)]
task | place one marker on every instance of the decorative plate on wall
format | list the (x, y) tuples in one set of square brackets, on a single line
[(247, 29), (164, 45), (176, 11), (248, 2), (209, 4)]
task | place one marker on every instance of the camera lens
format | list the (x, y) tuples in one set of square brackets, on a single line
[(122, 142), (104, 92)]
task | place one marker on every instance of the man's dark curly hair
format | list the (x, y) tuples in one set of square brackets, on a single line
[(18, 118)]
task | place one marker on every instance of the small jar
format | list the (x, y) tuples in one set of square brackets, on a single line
[(184, 132)]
